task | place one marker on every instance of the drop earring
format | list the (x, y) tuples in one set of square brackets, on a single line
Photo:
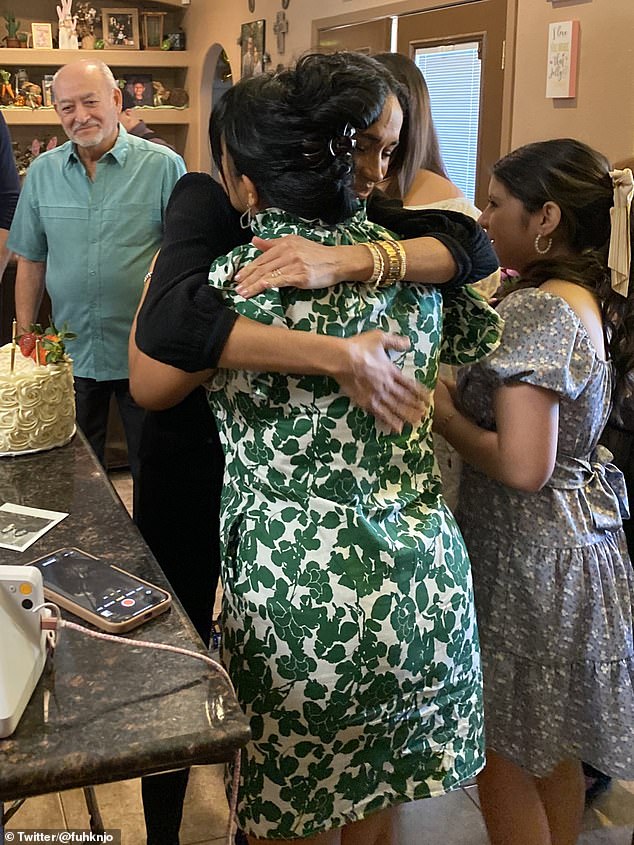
[(538, 249), (248, 214)]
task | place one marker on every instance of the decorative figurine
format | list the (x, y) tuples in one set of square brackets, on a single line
[(161, 93), (7, 95), (32, 95), (67, 27)]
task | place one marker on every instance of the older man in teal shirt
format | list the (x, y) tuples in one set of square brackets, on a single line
[(89, 220)]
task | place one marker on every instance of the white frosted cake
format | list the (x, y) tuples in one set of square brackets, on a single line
[(37, 403)]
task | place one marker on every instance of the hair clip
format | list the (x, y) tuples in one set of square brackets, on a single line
[(316, 152), (344, 143)]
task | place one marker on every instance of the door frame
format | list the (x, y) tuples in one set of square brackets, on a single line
[(484, 23), (408, 7)]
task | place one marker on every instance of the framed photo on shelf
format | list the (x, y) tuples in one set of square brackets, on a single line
[(121, 29), (140, 90), (252, 48), (42, 35), (47, 90)]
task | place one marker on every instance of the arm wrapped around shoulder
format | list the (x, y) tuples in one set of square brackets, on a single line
[(464, 237)]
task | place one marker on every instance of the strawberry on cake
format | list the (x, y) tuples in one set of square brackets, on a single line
[(37, 398)]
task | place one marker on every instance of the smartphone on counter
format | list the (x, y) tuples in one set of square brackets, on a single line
[(111, 598)]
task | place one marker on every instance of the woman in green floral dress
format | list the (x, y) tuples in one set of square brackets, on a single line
[(349, 628)]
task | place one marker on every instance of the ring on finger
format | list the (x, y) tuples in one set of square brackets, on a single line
[(276, 273)]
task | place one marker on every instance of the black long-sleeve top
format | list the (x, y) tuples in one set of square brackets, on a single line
[(185, 323)]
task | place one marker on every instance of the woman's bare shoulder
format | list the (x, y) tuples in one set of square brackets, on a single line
[(429, 187), (585, 305), (570, 291)]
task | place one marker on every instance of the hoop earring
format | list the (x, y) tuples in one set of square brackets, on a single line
[(538, 249)]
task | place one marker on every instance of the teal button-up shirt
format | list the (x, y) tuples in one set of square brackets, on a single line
[(97, 239)]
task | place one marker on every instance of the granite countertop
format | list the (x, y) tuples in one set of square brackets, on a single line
[(114, 711)]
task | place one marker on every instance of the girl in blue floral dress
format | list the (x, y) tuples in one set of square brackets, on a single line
[(541, 504), (348, 620)]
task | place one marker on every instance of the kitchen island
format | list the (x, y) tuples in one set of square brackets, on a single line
[(108, 711)]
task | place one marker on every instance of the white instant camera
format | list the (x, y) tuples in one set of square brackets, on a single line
[(22, 642)]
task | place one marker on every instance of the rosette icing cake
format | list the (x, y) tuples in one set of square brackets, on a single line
[(37, 403)]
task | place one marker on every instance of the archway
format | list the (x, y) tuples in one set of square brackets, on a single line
[(216, 78)]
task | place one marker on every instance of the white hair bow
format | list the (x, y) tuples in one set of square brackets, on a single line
[(620, 255)]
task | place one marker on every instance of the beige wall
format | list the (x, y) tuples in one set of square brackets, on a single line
[(211, 25), (602, 113)]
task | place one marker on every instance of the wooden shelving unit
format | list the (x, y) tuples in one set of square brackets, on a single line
[(171, 67), (28, 57)]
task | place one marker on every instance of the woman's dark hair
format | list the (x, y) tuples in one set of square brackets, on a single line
[(395, 86), (577, 179), (291, 133), (418, 146)]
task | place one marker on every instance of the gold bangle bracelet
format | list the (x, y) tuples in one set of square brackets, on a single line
[(399, 251), (392, 262), (397, 263), (378, 271), (402, 258), (385, 276)]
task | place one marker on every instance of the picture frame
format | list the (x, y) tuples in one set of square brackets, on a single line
[(42, 35), (152, 30), (252, 48), (140, 90), (121, 29), (563, 59), (48, 99)]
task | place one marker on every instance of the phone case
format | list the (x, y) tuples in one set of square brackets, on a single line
[(94, 618)]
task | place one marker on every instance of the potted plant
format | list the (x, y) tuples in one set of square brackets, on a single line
[(23, 39), (13, 26)]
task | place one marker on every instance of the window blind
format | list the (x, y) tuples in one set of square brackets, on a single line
[(452, 73)]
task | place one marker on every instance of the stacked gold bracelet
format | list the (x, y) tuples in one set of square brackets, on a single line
[(378, 269), (389, 263), (396, 260)]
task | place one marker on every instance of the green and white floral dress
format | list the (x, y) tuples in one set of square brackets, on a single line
[(348, 621)]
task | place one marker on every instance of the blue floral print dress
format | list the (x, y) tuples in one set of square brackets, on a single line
[(348, 621), (554, 584)]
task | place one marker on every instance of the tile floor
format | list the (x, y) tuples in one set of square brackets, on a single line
[(453, 819)]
